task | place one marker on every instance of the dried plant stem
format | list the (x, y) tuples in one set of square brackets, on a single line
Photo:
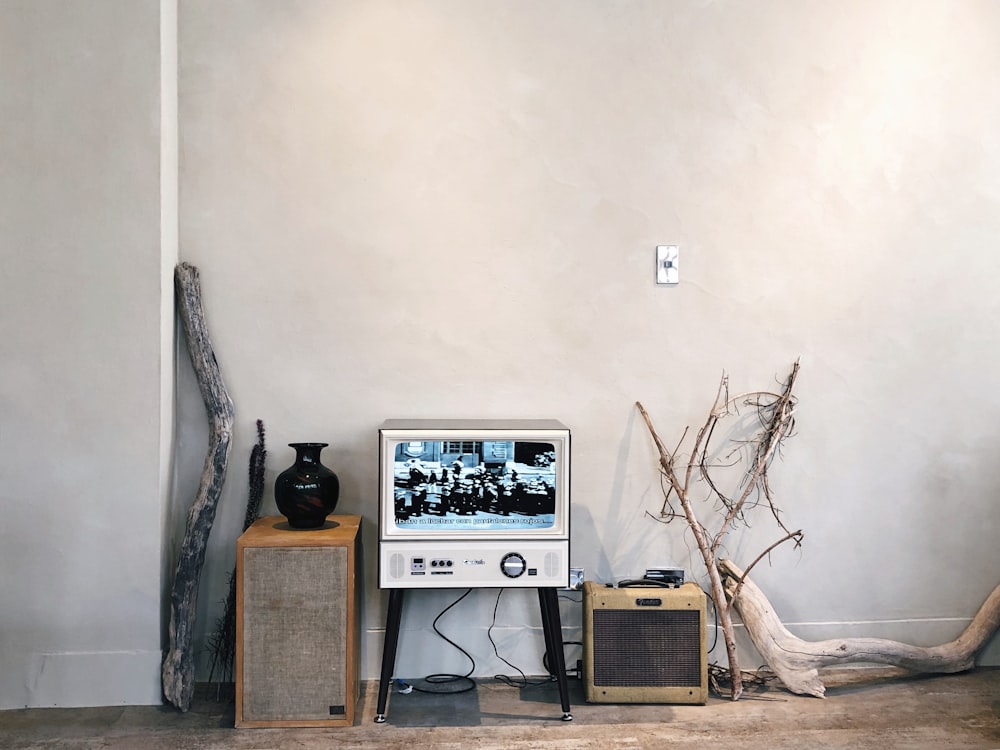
[(222, 643)]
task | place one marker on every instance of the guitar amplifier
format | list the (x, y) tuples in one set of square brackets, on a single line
[(644, 644)]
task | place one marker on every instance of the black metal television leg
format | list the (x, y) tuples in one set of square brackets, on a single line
[(392, 620), (548, 601)]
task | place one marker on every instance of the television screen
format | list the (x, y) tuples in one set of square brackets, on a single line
[(474, 484), (474, 478)]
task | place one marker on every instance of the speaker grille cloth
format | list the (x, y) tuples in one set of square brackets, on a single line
[(294, 631), (551, 565), (655, 648), (397, 566)]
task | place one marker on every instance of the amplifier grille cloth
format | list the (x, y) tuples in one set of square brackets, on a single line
[(294, 622), (655, 648)]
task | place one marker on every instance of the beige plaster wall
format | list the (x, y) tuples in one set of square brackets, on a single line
[(83, 376), (448, 208)]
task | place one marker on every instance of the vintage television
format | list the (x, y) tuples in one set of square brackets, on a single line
[(473, 503)]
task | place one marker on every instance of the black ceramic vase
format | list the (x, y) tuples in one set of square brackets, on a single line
[(306, 492)]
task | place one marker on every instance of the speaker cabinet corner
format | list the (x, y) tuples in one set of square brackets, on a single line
[(298, 596), (644, 645)]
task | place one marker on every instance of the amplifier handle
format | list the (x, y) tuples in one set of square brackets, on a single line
[(644, 582)]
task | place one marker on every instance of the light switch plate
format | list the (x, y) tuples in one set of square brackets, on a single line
[(668, 264)]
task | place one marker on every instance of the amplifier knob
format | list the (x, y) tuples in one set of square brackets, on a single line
[(513, 565)]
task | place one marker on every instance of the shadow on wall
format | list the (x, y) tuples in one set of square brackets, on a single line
[(630, 539)]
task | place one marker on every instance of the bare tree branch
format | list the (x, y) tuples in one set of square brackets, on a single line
[(775, 415), (796, 535)]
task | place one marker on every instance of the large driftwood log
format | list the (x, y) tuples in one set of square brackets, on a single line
[(795, 662), (178, 666)]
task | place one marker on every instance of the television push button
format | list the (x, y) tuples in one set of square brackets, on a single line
[(513, 565)]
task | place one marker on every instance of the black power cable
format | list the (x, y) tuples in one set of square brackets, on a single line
[(445, 678), (468, 682), (507, 679)]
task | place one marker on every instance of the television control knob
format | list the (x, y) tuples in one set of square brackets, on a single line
[(513, 565)]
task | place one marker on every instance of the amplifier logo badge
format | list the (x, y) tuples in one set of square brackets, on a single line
[(474, 562)]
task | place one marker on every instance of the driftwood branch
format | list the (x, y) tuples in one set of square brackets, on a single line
[(791, 535), (796, 662), (775, 413), (178, 666), (704, 546)]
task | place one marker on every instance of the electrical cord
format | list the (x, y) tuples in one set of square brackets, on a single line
[(507, 679), (445, 678), (576, 674), (468, 682), (715, 611)]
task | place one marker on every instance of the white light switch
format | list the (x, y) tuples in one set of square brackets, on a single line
[(667, 264)]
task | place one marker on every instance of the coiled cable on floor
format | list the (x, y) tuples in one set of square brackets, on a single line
[(465, 680), (523, 682)]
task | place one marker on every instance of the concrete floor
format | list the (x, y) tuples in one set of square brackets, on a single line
[(863, 709)]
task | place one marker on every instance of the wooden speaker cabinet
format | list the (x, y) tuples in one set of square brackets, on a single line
[(644, 644), (298, 623)]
